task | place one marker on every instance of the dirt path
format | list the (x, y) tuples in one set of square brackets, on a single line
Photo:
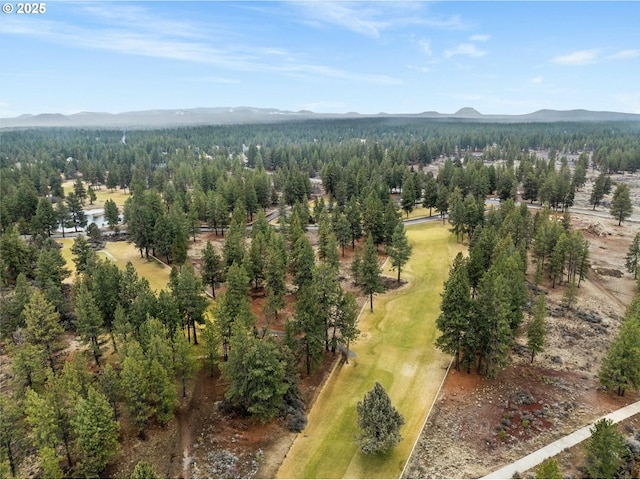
[(184, 442)]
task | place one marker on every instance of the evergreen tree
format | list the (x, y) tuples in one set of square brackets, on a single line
[(453, 320), (400, 249), (356, 267), (601, 187), (63, 216), (371, 279), (605, 451), (256, 374), (78, 218), (409, 193), (45, 220), (341, 229), (109, 381), (212, 268), (89, 319), (621, 207), (233, 306), (82, 253), (549, 469), (96, 433), (491, 324), (275, 273), (136, 386), (184, 364), (42, 325), (211, 343), (355, 220), (620, 367), (112, 215), (308, 322), (373, 218), (537, 327), (11, 433), (378, 421), (186, 289), (144, 470), (346, 321), (633, 256), (302, 261)]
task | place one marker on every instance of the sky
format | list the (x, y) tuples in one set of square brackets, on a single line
[(498, 57)]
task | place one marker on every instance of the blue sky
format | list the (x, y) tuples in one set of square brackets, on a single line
[(369, 57)]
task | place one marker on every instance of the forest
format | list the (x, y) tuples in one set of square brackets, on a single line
[(261, 190)]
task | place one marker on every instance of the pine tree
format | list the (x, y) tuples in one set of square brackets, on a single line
[(633, 256), (135, 384), (82, 253), (184, 364), (211, 344), (275, 273), (537, 328), (144, 470), (89, 319), (621, 207), (605, 451), (43, 328), (620, 367), (212, 268), (186, 289), (347, 320), (453, 320), (112, 215), (301, 262), (378, 421), (308, 322), (256, 374), (400, 249), (549, 469), (356, 267), (371, 279), (96, 433)]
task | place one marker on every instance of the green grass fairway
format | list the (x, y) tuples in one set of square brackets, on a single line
[(102, 195), (396, 348), (120, 253), (155, 272)]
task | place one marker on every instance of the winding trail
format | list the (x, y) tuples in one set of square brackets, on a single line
[(554, 448)]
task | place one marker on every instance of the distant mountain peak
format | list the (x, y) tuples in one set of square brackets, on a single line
[(468, 112)]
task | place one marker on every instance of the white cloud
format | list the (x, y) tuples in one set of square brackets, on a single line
[(624, 54), (355, 17), (468, 49), (371, 18), (426, 46), (132, 41), (537, 80), (580, 57), (479, 38), (418, 68)]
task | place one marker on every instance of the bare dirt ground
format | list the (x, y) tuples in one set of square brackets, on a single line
[(204, 442), (477, 425)]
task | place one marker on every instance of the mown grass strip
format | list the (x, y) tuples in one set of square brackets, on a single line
[(397, 350)]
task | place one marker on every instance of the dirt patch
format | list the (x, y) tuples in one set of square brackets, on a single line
[(477, 425), (204, 442)]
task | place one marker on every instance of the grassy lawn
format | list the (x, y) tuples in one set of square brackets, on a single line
[(396, 349), (120, 253), (156, 273), (102, 195)]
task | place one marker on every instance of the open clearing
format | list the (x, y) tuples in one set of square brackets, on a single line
[(396, 348)]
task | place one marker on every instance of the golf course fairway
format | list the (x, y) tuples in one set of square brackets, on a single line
[(396, 348)]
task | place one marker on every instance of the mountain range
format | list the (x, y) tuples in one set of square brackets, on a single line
[(244, 115)]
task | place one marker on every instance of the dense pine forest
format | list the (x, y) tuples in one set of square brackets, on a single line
[(260, 190)]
